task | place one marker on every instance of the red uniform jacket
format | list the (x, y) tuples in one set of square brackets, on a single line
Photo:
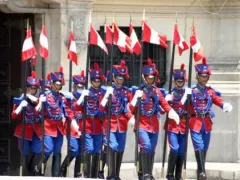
[(196, 122), (152, 97), (93, 114), (78, 115), (55, 108), (120, 113), (31, 123), (180, 109)]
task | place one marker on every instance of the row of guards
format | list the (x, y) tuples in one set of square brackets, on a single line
[(97, 117)]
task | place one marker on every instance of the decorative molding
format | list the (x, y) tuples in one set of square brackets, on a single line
[(79, 22)]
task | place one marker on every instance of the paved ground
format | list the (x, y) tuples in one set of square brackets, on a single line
[(215, 171)]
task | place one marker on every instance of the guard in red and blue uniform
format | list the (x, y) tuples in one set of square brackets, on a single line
[(55, 108), (46, 83), (79, 82), (32, 125), (120, 115), (202, 99), (151, 100), (176, 132), (93, 136)]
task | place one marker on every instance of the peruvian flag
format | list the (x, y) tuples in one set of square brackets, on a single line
[(108, 31), (196, 46), (43, 48), (122, 40), (28, 49), (135, 44), (72, 49), (152, 36), (179, 41), (95, 39)]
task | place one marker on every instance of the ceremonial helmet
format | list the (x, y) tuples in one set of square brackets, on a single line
[(121, 70), (58, 77), (180, 74), (79, 80), (47, 81), (96, 73), (33, 80), (149, 70), (203, 68)]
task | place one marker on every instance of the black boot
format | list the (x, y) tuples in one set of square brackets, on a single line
[(95, 163), (102, 164), (152, 162), (119, 162), (77, 172), (44, 161), (56, 163), (146, 165), (34, 169), (25, 165), (87, 165), (140, 173), (171, 165), (112, 167), (201, 165), (179, 165), (63, 171)]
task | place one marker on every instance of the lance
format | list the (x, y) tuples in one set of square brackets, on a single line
[(42, 111), (139, 101), (110, 102), (25, 70), (188, 111), (169, 91), (102, 117), (85, 99)]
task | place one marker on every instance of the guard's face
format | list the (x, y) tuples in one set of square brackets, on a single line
[(179, 83), (96, 83), (202, 79), (32, 90), (150, 80), (77, 87), (56, 87), (119, 80)]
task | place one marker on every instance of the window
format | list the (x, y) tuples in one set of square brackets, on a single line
[(155, 52)]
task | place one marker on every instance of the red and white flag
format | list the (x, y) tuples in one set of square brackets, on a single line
[(95, 39), (152, 36), (108, 31), (135, 44), (122, 40), (28, 49), (196, 46), (72, 49), (43, 48), (179, 41)]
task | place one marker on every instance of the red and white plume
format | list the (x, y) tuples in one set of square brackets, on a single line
[(95, 39), (28, 49), (72, 49), (43, 48), (152, 36), (135, 44), (108, 34), (179, 41), (196, 46), (122, 40)]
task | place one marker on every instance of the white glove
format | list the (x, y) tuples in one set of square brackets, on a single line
[(138, 94), (31, 97), (227, 107), (188, 90), (132, 121), (173, 115), (42, 98), (168, 97), (85, 92), (23, 104), (75, 125), (67, 94), (109, 91)]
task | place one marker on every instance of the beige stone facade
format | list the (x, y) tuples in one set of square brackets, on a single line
[(218, 34)]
